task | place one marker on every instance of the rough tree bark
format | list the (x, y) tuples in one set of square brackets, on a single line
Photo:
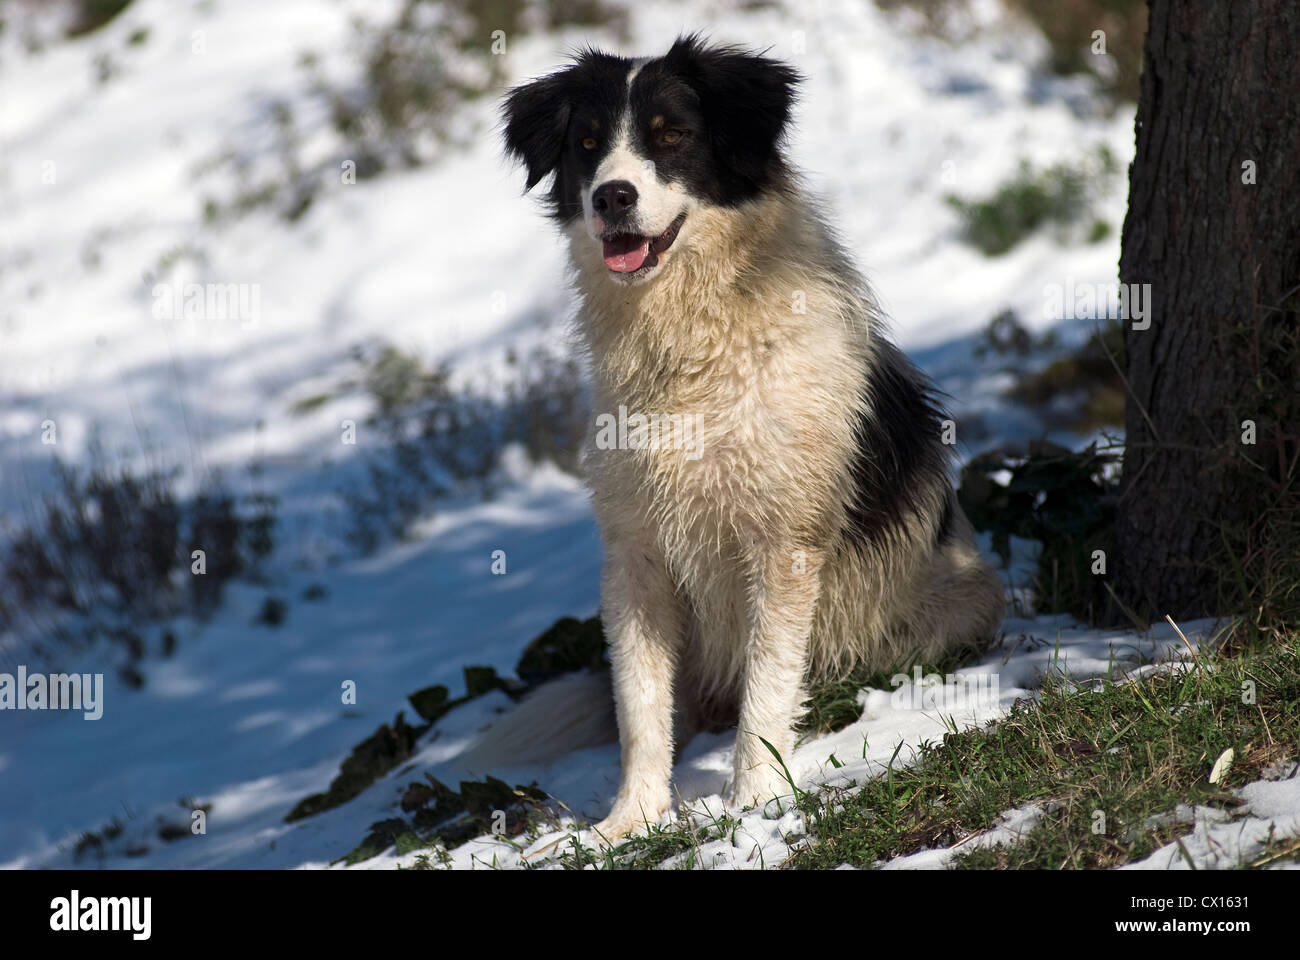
[(1219, 108)]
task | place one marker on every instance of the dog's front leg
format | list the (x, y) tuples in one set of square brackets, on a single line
[(643, 616), (780, 615)]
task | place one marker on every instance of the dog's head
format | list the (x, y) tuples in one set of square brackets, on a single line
[(637, 146)]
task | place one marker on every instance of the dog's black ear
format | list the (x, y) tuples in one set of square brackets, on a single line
[(536, 116), (746, 98)]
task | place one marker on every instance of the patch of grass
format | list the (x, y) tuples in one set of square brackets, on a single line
[(425, 861), (1105, 764), (1277, 853), (832, 702), (682, 839), (442, 438), (1099, 231), (1060, 196), (110, 550), (439, 440), (547, 406), (106, 537)]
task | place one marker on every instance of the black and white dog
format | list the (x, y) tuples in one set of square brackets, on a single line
[(780, 506)]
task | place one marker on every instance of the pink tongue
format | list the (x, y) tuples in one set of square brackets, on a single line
[(625, 254)]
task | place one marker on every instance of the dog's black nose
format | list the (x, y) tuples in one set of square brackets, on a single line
[(614, 199)]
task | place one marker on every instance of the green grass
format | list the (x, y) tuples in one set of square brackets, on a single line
[(1061, 196), (682, 838), (833, 703), (1106, 762), (1131, 750)]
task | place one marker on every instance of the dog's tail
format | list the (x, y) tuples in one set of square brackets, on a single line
[(569, 713)]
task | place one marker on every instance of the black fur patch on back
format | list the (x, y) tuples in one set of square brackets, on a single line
[(900, 461)]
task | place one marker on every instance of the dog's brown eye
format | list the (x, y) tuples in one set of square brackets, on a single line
[(672, 136), (589, 143)]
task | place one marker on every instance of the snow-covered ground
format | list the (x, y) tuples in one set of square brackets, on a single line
[(98, 190)]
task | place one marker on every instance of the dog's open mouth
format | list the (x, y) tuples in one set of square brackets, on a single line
[(630, 252)]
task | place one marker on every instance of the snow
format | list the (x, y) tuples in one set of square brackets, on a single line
[(1217, 842), (99, 189), (893, 723), (1011, 826)]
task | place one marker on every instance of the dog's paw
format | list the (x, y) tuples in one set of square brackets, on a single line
[(757, 787), (629, 817), (613, 830)]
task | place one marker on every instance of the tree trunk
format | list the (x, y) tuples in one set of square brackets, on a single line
[(1213, 226)]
